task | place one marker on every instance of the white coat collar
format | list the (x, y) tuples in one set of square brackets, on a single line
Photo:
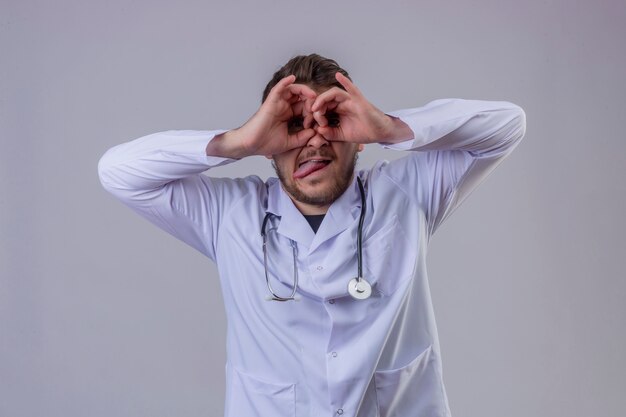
[(293, 225)]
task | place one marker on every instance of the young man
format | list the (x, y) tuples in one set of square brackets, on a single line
[(323, 270)]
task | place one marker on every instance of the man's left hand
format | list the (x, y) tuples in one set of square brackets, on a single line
[(348, 116)]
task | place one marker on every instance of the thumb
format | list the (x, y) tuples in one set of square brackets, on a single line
[(302, 137), (329, 133)]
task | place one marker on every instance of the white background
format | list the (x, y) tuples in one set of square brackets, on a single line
[(102, 314)]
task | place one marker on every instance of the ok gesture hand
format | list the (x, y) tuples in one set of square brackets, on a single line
[(269, 131), (348, 116)]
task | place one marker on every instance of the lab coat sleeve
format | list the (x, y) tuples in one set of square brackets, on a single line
[(159, 177), (457, 144)]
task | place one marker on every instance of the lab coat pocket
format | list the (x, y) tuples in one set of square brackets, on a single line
[(412, 390), (388, 258), (251, 396)]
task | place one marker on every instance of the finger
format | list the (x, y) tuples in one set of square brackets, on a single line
[(290, 99), (285, 81), (329, 133), (278, 90), (308, 103), (305, 104), (334, 94), (302, 137), (298, 108), (320, 115), (331, 105), (302, 90), (289, 96), (347, 84), (320, 118), (308, 120)]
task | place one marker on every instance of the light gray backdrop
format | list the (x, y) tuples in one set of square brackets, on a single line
[(102, 314)]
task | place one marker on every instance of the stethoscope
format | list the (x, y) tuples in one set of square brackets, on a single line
[(358, 287)]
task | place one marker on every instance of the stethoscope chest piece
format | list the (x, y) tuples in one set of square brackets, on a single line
[(359, 288)]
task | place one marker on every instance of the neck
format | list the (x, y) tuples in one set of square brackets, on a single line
[(309, 209)]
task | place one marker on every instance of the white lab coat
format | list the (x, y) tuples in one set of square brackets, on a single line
[(325, 354)]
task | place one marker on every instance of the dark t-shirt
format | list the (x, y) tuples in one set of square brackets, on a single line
[(315, 221)]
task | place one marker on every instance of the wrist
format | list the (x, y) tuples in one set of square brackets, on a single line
[(227, 145), (397, 130)]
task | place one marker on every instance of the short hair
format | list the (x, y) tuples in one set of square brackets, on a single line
[(313, 70)]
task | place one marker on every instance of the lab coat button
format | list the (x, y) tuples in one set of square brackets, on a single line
[(331, 301), (320, 267), (340, 411), (334, 354)]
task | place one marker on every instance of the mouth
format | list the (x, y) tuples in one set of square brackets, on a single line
[(310, 166)]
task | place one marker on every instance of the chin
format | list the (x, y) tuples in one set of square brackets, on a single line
[(320, 190), (320, 193)]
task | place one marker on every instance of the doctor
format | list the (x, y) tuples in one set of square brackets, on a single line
[(323, 269)]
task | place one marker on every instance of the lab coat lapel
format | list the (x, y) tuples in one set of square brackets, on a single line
[(292, 224), (341, 214)]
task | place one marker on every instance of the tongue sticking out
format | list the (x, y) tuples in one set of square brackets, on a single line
[(309, 167)]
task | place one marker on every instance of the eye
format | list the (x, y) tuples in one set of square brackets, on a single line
[(333, 119), (295, 124)]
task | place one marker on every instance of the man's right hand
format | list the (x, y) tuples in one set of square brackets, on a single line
[(283, 122)]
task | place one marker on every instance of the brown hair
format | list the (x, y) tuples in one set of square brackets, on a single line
[(313, 70)]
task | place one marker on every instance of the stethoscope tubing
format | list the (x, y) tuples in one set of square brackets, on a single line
[(359, 237), (359, 279)]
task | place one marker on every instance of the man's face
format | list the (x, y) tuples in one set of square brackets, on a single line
[(317, 174)]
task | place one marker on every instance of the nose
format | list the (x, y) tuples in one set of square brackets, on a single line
[(317, 141)]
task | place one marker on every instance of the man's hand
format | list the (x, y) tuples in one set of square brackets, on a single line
[(347, 116), (282, 123)]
